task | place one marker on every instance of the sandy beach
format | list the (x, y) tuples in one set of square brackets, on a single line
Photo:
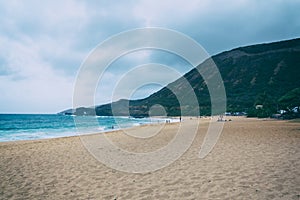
[(253, 159)]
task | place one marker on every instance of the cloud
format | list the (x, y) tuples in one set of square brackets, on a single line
[(43, 44), (152, 13), (31, 82), (32, 45), (238, 23)]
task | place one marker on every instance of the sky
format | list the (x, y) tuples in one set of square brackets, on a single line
[(44, 43)]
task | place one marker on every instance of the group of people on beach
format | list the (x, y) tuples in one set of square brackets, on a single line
[(169, 121)]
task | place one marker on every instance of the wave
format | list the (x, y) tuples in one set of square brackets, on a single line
[(31, 127)]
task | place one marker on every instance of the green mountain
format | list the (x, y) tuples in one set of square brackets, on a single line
[(252, 75)]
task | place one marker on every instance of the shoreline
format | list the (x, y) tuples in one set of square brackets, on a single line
[(121, 129), (150, 124), (73, 132), (87, 134)]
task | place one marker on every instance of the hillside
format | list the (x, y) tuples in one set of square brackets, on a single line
[(257, 74)]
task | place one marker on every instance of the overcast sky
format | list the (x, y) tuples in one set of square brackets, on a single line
[(43, 43)]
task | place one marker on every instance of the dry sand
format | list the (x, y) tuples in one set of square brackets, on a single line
[(253, 159)]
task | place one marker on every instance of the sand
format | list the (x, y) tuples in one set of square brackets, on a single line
[(253, 159)]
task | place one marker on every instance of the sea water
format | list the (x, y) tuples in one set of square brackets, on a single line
[(36, 126)]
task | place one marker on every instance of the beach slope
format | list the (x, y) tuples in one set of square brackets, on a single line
[(253, 159)]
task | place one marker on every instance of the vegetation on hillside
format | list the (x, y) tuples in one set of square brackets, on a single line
[(290, 103), (264, 74)]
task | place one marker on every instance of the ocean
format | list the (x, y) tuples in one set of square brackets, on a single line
[(15, 127)]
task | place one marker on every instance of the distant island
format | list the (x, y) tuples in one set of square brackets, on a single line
[(261, 80)]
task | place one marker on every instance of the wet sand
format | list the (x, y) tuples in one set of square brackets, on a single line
[(253, 159)]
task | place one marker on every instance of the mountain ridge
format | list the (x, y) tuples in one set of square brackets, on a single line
[(248, 72)]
